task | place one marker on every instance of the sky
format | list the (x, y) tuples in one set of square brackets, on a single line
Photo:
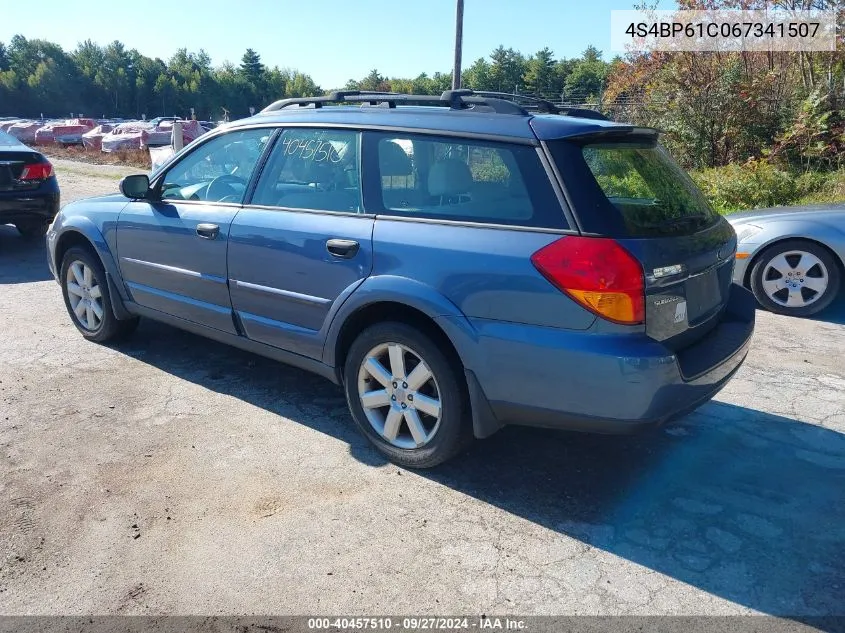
[(331, 40)]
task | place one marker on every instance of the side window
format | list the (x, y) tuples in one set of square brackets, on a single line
[(217, 171), (313, 169), (467, 180)]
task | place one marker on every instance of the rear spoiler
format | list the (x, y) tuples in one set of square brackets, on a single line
[(617, 132)]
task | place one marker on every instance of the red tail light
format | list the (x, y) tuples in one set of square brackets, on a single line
[(37, 171), (598, 273)]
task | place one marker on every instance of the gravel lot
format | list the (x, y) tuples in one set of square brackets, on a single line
[(172, 475)]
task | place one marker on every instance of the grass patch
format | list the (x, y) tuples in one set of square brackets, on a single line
[(758, 184), (92, 171), (139, 158)]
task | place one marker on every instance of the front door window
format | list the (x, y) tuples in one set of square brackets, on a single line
[(217, 171)]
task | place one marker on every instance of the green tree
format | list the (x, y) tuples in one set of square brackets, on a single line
[(301, 85), (591, 54), (374, 82), (251, 67), (816, 137), (116, 76), (477, 76), (539, 78), (586, 79), (507, 70)]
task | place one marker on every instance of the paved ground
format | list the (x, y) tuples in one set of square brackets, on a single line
[(173, 475)]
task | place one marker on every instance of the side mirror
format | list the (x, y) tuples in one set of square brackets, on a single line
[(136, 186)]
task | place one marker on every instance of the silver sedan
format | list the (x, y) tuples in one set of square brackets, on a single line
[(792, 258)]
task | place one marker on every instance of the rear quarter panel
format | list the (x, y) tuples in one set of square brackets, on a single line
[(486, 273)]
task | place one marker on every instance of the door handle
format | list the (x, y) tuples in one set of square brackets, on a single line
[(208, 231), (343, 248)]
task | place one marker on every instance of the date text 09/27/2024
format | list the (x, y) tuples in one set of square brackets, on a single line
[(417, 624)]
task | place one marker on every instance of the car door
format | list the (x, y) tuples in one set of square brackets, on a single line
[(172, 249), (303, 243)]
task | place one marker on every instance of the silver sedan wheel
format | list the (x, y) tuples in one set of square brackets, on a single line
[(795, 279), (399, 395), (85, 295)]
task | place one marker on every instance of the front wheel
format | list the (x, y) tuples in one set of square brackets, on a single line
[(796, 278), (406, 396), (86, 295)]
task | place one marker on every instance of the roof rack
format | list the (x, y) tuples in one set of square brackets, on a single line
[(454, 99), (499, 102)]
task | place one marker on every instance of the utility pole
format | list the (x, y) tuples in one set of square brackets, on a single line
[(459, 38)]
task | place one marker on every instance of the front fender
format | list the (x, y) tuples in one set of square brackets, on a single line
[(787, 229), (85, 227), (408, 292)]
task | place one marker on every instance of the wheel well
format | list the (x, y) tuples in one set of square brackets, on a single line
[(70, 239), (391, 311), (839, 263)]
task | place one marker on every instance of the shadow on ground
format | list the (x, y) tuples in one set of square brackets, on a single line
[(739, 503), (21, 261), (834, 313)]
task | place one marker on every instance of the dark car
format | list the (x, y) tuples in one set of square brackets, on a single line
[(29, 191), (457, 263)]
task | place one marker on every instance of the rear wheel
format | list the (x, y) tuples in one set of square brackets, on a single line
[(796, 278), (406, 396), (32, 229), (86, 295)]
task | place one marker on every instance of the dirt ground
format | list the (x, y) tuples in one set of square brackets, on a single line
[(172, 475)]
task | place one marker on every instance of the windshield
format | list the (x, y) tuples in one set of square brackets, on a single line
[(653, 194)]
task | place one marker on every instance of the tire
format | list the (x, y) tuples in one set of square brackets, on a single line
[(812, 265), (33, 229), (445, 435), (88, 270)]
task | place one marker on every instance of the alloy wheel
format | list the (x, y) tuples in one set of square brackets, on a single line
[(85, 295), (795, 279), (399, 395)]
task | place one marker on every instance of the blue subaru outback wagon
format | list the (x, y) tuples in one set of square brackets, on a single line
[(458, 263)]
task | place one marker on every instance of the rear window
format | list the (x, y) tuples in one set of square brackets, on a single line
[(653, 194), (465, 180)]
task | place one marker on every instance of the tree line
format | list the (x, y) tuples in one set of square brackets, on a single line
[(38, 77), (715, 108), (718, 108)]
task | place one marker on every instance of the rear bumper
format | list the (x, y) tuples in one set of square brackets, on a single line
[(605, 384), (40, 204)]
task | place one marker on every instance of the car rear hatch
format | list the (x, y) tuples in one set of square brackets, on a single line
[(623, 185), (12, 164)]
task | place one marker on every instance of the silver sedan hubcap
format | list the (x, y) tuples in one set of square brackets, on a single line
[(795, 279), (402, 403), (86, 298)]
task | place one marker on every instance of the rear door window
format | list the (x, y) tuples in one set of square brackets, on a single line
[(653, 195), (445, 178)]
